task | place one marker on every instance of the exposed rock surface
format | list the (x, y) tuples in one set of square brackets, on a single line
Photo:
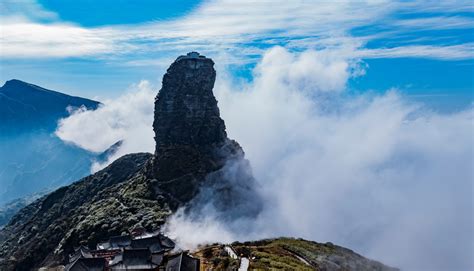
[(186, 111), (191, 140), (193, 157)]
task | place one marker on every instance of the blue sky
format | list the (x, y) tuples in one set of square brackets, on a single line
[(119, 11), (98, 49)]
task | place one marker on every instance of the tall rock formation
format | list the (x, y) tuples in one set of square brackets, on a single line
[(186, 111), (191, 140)]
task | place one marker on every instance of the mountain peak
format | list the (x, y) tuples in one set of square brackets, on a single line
[(192, 56), (14, 82), (25, 106), (18, 85), (15, 86), (190, 135), (186, 111)]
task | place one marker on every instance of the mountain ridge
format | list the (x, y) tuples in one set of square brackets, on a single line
[(33, 158), (39, 107)]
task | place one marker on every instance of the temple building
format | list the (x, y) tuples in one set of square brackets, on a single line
[(147, 251)]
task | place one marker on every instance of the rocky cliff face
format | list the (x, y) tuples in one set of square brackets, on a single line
[(194, 165), (186, 111), (191, 140)]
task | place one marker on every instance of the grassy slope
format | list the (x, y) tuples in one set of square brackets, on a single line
[(286, 254), (269, 255)]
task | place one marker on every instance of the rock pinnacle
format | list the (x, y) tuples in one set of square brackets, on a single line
[(192, 151)]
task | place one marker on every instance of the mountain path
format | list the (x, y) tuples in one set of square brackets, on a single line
[(244, 262)]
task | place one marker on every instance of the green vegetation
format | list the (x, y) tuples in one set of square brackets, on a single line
[(214, 257), (288, 254), (271, 255)]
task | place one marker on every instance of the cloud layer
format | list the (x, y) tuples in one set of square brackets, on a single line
[(126, 118), (376, 173)]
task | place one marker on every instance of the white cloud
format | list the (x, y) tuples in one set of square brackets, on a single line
[(309, 71), (385, 177), (215, 25), (377, 175), (24, 39), (448, 52), (127, 118), (209, 230), (437, 23), (450, 6)]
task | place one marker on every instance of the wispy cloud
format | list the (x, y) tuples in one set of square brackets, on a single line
[(448, 52), (449, 6), (25, 39), (26, 9), (436, 23), (243, 29)]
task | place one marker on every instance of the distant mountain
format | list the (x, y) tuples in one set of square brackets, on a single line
[(32, 158), (12, 207), (24, 106), (65, 165)]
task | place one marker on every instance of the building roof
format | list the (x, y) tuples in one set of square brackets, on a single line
[(120, 239), (152, 243), (174, 263), (116, 242), (157, 258), (136, 259), (103, 245), (182, 262), (80, 252), (166, 242), (87, 264), (191, 55)]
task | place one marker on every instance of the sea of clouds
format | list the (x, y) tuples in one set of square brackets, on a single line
[(375, 172)]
